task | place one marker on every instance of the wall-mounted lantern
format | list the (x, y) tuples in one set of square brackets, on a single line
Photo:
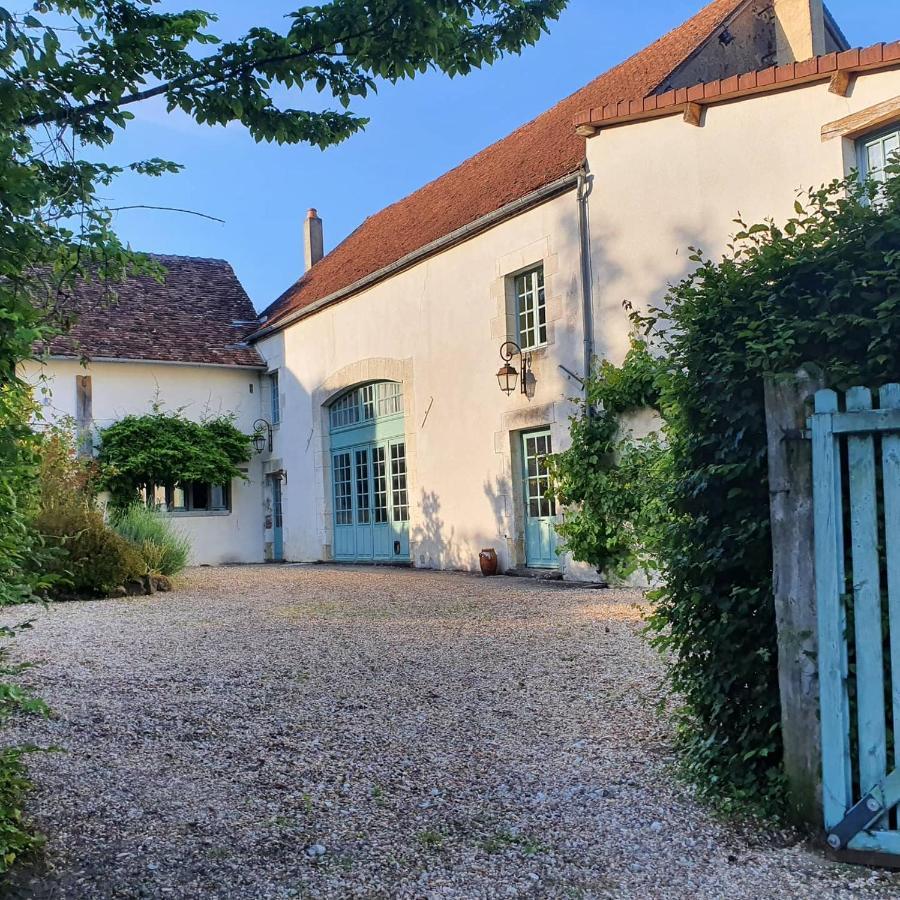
[(262, 436), (508, 374)]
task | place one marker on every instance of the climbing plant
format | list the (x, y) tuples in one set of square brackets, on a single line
[(161, 448), (607, 481)]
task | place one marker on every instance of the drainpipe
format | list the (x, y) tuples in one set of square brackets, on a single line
[(585, 185)]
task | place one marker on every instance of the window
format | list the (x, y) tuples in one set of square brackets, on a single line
[(399, 495), (193, 497), (877, 152), (531, 308), (275, 398), (362, 487), (366, 403), (343, 489), (541, 503), (379, 471)]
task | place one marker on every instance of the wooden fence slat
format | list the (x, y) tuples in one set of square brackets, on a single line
[(866, 600), (890, 456), (835, 717)]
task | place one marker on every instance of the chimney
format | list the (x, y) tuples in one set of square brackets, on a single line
[(799, 29), (313, 243)]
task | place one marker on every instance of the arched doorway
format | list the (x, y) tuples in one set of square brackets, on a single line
[(369, 474)]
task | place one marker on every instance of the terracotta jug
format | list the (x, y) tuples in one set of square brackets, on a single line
[(488, 561)]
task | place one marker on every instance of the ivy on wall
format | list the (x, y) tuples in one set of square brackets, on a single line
[(606, 480), (166, 448)]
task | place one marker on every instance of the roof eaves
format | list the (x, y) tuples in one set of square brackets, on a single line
[(736, 87)]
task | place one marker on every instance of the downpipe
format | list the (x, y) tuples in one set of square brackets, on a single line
[(585, 186)]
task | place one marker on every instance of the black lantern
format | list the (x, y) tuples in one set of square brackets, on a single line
[(508, 373), (262, 436), (507, 377)]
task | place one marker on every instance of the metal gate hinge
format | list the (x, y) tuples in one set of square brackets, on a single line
[(858, 819)]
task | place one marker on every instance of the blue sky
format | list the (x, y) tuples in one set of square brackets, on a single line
[(418, 130)]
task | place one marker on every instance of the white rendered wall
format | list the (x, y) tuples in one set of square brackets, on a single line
[(438, 327), (123, 388), (661, 186)]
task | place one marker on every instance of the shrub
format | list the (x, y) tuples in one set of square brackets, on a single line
[(165, 549), (138, 452), (91, 559), (824, 288), (608, 482), (95, 559)]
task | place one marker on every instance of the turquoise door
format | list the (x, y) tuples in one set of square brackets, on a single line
[(369, 475), (540, 507), (277, 526)]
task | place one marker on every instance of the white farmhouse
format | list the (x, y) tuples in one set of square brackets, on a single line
[(392, 439), (178, 343)]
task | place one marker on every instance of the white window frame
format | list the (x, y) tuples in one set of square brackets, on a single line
[(274, 399), (880, 139), (219, 499), (530, 293)]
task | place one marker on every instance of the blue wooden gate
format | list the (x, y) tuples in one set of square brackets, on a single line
[(856, 493)]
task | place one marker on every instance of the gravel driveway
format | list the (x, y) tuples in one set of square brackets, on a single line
[(316, 731)]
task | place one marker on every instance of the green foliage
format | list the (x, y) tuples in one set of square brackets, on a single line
[(91, 559), (342, 47), (164, 549), (607, 481), (166, 448), (69, 72), (823, 288)]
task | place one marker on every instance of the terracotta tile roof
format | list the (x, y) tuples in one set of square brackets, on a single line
[(189, 317), (541, 152), (773, 78)]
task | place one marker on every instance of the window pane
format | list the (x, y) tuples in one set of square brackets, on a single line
[(345, 410), (199, 495), (379, 472), (367, 400), (390, 398), (399, 497), (531, 308), (275, 398), (343, 490), (218, 497), (362, 487)]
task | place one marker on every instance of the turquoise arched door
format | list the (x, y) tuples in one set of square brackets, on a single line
[(369, 481)]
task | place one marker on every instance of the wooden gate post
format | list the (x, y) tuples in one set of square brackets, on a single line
[(788, 404)]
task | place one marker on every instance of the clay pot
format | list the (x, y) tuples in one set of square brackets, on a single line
[(488, 561)]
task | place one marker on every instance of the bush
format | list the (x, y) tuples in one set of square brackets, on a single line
[(823, 289), (95, 559), (91, 559), (607, 482), (165, 550)]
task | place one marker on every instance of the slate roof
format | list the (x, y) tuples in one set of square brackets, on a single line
[(199, 313), (537, 154)]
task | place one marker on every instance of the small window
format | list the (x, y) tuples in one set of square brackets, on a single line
[(531, 308), (366, 404), (192, 497), (877, 152), (275, 398)]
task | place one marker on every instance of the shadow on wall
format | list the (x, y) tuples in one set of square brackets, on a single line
[(435, 544), (499, 495)]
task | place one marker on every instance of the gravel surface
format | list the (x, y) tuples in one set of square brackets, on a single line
[(316, 731)]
